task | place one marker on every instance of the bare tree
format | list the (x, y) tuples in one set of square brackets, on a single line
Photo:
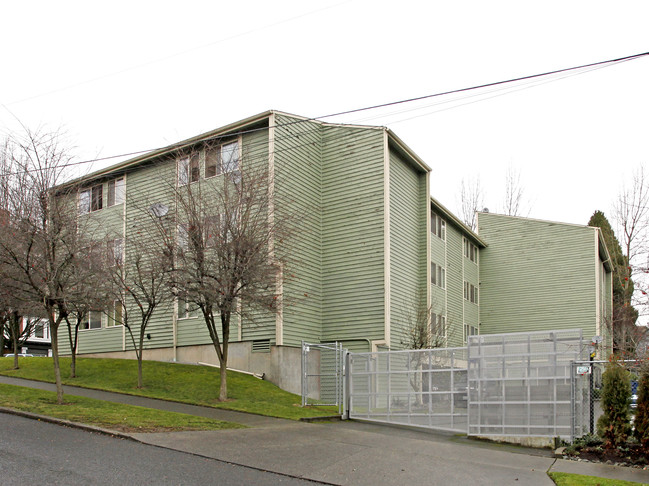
[(471, 201), (229, 251), (41, 242), (428, 328), (514, 190), (631, 215), (20, 330), (139, 287)]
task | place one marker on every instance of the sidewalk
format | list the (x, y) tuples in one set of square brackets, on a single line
[(355, 453)]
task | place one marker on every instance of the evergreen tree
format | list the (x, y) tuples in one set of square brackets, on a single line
[(624, 314), (641, 431), (614, 425)]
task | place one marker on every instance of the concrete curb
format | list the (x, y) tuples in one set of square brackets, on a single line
[(68, 423), (326, 418)]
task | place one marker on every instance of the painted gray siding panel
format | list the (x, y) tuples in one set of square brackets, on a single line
[(536, 275)]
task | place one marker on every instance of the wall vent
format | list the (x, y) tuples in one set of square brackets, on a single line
[(261, 346)]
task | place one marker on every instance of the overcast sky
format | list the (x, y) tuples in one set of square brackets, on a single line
[(128, 76)]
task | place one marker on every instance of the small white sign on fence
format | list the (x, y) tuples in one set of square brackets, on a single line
[(583, 370)]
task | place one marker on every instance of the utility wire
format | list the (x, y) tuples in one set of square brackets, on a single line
[(584, 68)]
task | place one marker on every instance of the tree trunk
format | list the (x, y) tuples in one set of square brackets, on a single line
[(223, 388), (54, 333), (140, 382), (15, 343), (223, 358), (2, 339), (73, 348), (73, 365)]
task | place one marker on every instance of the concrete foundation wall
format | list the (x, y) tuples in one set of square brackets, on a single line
[(281, 366)]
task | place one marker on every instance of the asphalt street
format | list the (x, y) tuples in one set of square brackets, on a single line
[(344, 453), (35, 452)]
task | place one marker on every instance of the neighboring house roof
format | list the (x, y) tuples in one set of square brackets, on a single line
[(238, 126)]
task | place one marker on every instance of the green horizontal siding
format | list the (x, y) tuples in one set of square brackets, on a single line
[(298, 191), (536, 275), (407, 260), (455, 317), (352, 234)]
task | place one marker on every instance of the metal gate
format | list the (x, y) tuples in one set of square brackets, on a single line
[(422, 388), (323, 371)]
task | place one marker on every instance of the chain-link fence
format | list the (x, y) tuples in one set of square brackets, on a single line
[(587, 393)]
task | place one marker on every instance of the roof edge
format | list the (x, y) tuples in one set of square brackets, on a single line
[(449, 215)]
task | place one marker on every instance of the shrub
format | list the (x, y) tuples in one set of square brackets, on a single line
[(614, 425), (641, 432)]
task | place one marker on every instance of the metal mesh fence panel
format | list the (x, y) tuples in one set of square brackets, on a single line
[(323, 374), (520, 384), (424, 388)]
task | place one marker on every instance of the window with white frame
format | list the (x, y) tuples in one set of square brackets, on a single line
[(116, 192), (437, 275), (84, 201), (470, 251), (213, 229), (41, 329), (437, 226), (187, 309), (115, 314), (189, 169), (91, 199), (182, 237), (438, 325), (470, 292), (469, 331), (116, 251), (92, 320), (222, 159)]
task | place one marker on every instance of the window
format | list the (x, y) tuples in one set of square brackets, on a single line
[(91, 199), (116, 192), (470, 292), (470, 251), (437, 275), (469, 331), (222, 159), (437, 226), (116, 251), (212, 230), (437, 323), (187, 309), (92, 320), (115, 314), (96, 198), (188, 169), (182, 239), (84, 202)]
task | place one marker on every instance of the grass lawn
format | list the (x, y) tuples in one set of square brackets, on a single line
[(126, 418), (567, 479), (170, 381)]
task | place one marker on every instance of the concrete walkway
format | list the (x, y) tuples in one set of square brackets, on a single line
[(355, 453)]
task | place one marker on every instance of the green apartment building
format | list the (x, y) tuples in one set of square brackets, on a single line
[(374, 248)]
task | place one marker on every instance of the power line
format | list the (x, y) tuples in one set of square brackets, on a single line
[(583, 68)]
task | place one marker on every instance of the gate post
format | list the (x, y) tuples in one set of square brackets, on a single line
[(346, 379)]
